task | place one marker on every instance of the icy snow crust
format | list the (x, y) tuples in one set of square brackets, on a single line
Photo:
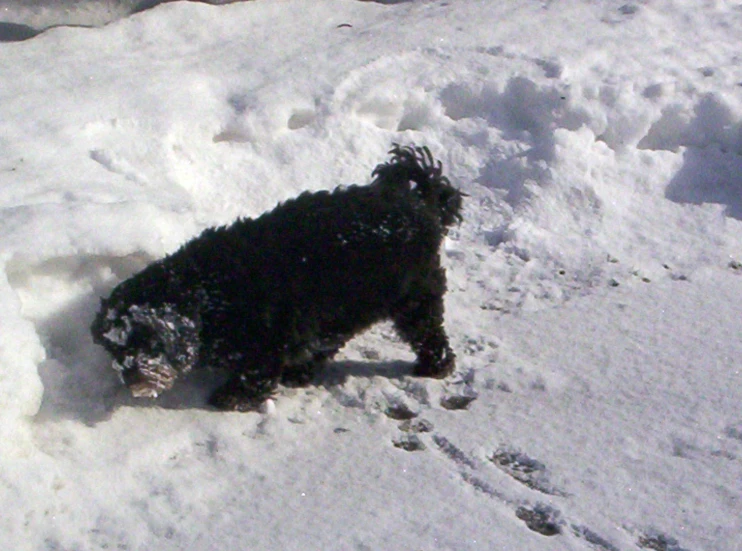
[(594, 284)]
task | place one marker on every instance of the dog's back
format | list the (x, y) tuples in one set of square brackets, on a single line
[(351, 251), (356, 247)]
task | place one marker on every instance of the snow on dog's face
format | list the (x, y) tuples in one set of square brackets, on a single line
[(150, 345)]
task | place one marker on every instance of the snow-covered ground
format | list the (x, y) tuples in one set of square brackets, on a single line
[(595, 282)]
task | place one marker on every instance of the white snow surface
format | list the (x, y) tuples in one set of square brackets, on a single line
[(594, 284)]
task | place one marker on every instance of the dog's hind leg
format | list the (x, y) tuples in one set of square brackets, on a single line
[(419, 322)]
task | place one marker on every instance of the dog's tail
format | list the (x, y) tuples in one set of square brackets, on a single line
[(414, 170)]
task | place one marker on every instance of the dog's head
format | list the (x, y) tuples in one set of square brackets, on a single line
[(150, 345), (414, 170)]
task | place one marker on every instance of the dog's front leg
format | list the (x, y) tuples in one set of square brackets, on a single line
[(419, 321), (428, 339), (247, 389)]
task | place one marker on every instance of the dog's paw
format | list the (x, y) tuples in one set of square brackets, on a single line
[(226, 399), (300, 375), (436, 369)]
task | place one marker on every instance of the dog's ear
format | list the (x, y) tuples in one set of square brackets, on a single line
[(449, 204), (417, 164)]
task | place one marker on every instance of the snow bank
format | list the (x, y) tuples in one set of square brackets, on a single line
[(24, 19)]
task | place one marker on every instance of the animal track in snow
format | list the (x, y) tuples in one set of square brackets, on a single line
[(118, 165), (409, 442), (250, 121), (593, 538), (734, 430), (400, 411), (542, 518), (456, 402), (413, 113), (416, 427), (659, 542), (525, 470), (301, 117)]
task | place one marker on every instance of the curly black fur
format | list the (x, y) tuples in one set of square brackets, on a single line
[(270, 299)]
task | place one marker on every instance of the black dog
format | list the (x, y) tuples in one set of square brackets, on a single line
[(270, 299)]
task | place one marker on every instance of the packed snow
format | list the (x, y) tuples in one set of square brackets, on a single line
[(593, 284)]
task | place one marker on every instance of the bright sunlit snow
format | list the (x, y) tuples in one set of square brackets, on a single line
[(595, 282)]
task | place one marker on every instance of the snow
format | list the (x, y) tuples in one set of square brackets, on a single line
[(593, 283)]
